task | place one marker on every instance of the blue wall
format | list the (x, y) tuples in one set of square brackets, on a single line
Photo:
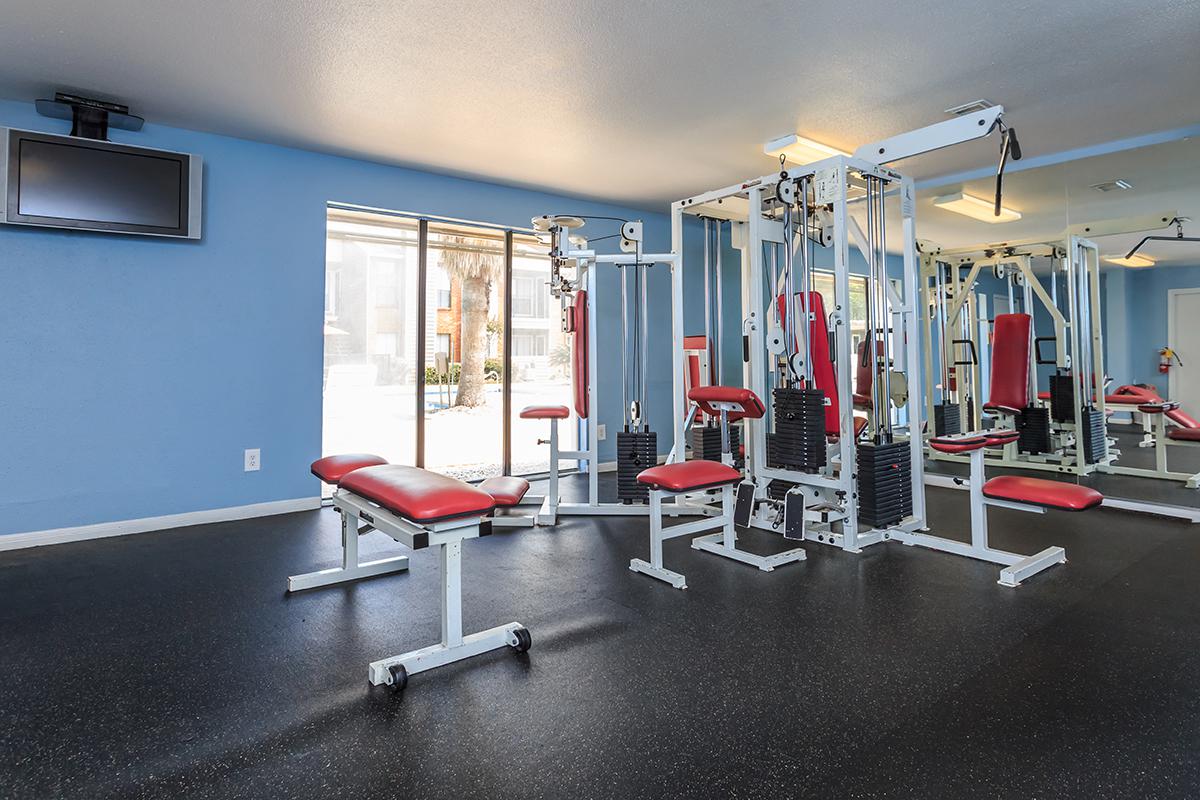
[(1147, 330), (137, 370)]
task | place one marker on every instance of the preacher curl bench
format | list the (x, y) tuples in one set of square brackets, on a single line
[(419, 509)]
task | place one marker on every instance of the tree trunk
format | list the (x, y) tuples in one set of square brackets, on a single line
[(474, 341)]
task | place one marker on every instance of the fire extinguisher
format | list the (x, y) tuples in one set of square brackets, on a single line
[(1165, 357)]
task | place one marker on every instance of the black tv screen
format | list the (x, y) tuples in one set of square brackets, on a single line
[(65, 181)]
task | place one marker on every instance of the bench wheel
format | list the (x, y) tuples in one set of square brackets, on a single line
[(399, 678), (524, 641)]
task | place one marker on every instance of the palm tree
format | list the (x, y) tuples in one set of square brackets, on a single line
[(474, 265)]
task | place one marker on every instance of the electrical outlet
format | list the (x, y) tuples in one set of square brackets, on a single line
[(601, 432), (253, 460)]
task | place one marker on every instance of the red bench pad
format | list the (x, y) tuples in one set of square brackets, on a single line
[(332, 469), (689, 476), (1011, 343), (1041, 492), (957, 444), (417, 494), (506, 490), (545, 412), (1184, 434), (704, 396)]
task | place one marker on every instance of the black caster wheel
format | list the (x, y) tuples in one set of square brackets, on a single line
[(399, 678), (524, 641)]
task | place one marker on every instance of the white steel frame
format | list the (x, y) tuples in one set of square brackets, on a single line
[(744, 204), (1016, 567), (448, 537), (722, 543)]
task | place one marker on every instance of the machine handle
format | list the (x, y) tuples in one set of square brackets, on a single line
[(1037, 346), (974, 358), (745, 349)]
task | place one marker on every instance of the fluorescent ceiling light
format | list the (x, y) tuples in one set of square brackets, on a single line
[(975, 208), (800, 150), (1131, 261)]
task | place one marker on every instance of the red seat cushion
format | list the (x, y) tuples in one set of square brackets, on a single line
[(331, 469), (1041, 492), (705, 396), (689, 476), (958, 444), (860, 424), (417, 494), (862, 400), (1157, 408), (545, 412), (1184, 434), (506, 490)]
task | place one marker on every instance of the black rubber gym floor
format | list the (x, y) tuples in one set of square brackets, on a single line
[(174, 665)]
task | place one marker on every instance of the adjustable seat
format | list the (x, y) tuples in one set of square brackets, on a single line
[(687, 477)]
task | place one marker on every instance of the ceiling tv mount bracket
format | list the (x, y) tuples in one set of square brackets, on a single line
[(90, 118)]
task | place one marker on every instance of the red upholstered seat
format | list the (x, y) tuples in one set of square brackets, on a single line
[(1157, 408), (705, 396), (506, 490), (689, 476), (1011, 345), (545, 412), (860, 424), (417, 494), (1184, 434), (1040, 492), (331, 469), (958, 444), (862, 400)]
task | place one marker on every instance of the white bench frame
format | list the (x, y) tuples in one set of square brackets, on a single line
[(448, 537), (1016, 567)]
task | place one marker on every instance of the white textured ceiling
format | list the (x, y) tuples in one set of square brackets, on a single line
[(640, 102), (1164, 177)]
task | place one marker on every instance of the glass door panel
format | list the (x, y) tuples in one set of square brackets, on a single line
[(369, 390), (464, 357), (541, 360)]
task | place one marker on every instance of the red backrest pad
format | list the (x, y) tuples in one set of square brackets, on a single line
[(1011, 342), (704, 396), (579, 354), (824, 377), (864, 375)]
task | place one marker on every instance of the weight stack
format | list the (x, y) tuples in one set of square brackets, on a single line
[(1093, 436), (799, 440), (1062, 397), (706, 442), (884, 483), (1033, 425), (947, 420), (636, 451), (777, 489)]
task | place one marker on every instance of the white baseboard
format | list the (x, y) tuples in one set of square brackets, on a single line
[(17, 541)]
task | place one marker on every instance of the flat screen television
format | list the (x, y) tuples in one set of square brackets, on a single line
[(87, 184)]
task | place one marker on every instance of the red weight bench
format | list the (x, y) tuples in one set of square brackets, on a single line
[(1034, 495), (419, 509), (689, 477)]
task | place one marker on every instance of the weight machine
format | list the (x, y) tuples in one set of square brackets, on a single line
[(808, 472), (1068, 433)]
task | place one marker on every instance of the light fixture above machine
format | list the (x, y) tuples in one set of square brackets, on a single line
[(1116, 185), (975, 208), (969, 108), (800, 149), (1130, 261)]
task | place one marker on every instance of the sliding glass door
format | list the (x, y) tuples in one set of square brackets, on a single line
[(437, 333)]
